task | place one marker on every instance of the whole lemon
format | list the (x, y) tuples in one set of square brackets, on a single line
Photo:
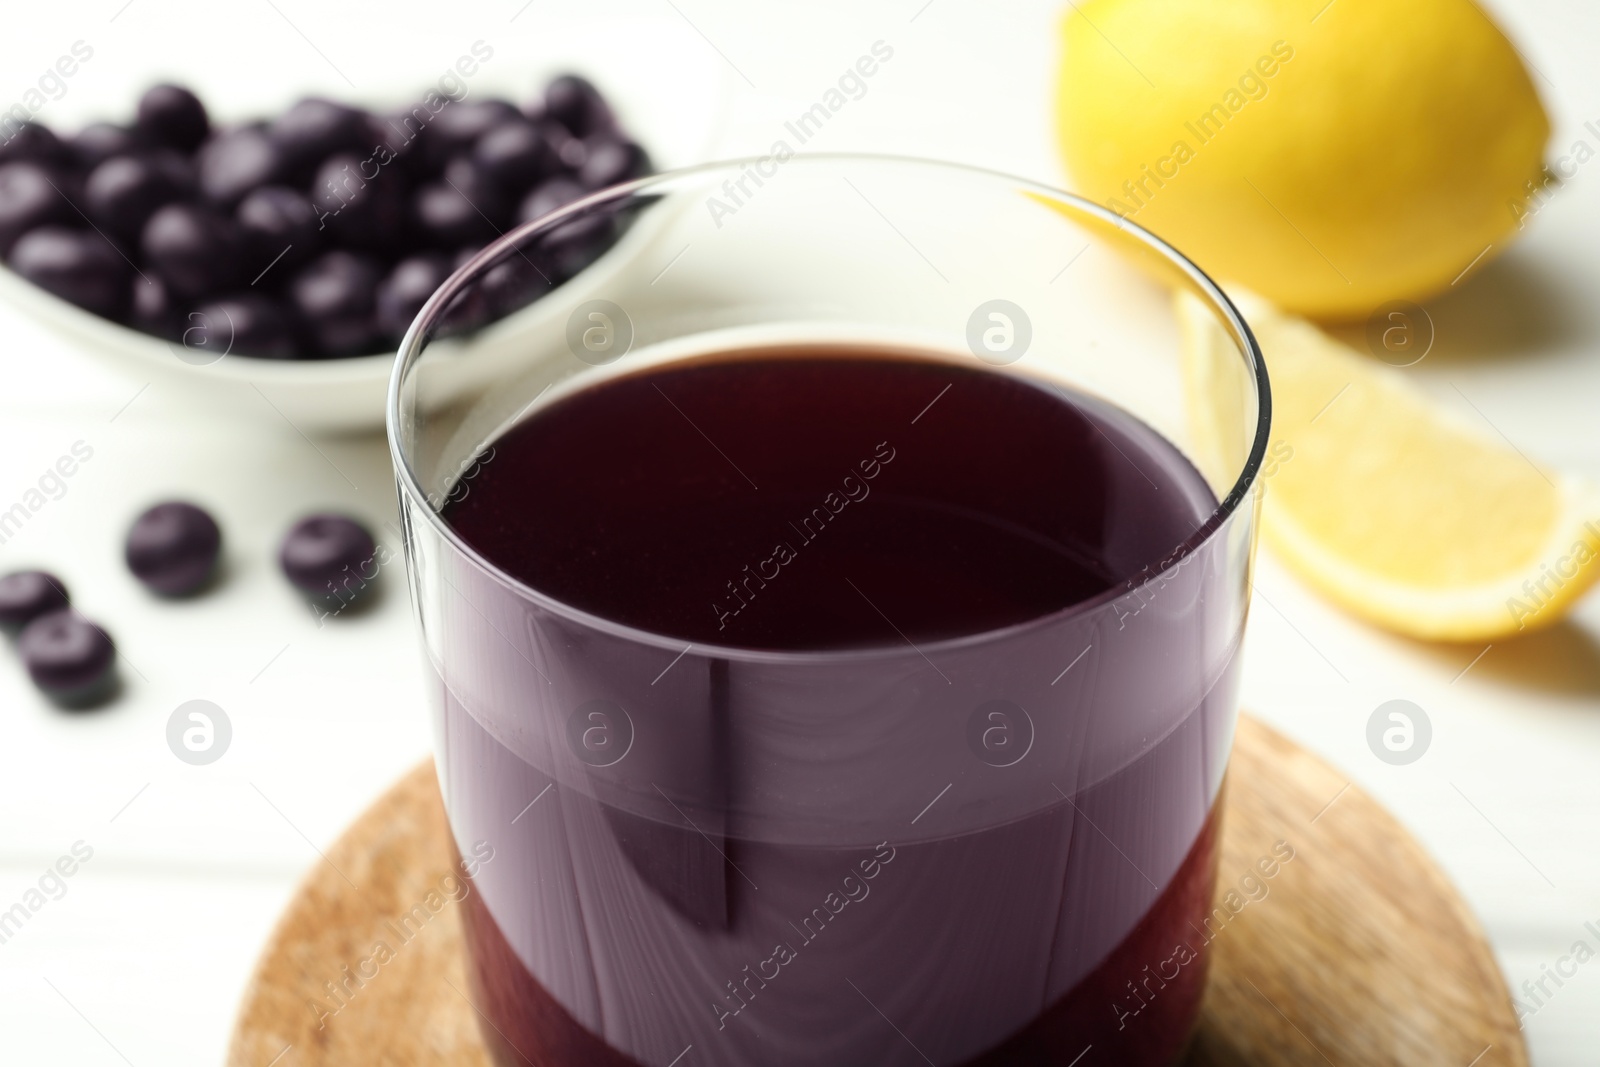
[(1332, 156)]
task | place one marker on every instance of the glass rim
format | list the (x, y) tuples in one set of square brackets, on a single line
[(412, 346)]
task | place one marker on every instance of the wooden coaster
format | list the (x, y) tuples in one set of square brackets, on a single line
[(1360, 953)]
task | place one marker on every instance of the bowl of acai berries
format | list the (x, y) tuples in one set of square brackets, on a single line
[(287, 255)]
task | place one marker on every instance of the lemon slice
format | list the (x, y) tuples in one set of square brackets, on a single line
[(1394, 507)]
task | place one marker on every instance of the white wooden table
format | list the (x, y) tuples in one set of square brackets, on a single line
[(142, 958)]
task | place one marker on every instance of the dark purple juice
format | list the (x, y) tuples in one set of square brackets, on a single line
[(921, 763)]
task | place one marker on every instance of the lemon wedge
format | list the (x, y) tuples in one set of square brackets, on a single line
[(1390, 505)]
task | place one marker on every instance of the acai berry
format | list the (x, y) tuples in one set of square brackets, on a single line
[(123, 192), (26, 595), (335, 297), (194, 249), (171, 115), (405, 290), (69, 658), (29, 197), (77, 265), (246, 324), (330, 558), (173, 548)]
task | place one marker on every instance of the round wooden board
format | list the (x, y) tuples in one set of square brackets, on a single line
[(1360, 953)]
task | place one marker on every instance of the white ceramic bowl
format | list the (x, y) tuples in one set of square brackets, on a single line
[(678, 123)]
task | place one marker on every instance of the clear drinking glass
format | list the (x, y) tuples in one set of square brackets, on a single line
[(994, 848)]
